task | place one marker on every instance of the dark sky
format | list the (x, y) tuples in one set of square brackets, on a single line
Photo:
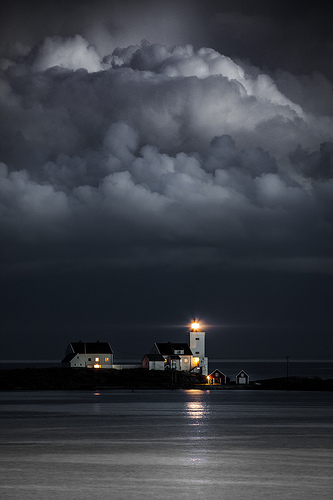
[(163, 160)]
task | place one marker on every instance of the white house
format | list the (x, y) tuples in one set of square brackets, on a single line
[(88, 355), (176, 356), (183, 356)]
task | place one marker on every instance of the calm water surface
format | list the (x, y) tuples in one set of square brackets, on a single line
[(226, 445)]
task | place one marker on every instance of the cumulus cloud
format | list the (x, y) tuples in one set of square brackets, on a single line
[(71, 53), (165, 153)]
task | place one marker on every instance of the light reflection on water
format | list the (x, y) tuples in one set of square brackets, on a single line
[(196, 410), (227, 445)]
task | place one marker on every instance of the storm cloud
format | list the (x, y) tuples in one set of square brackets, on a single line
[(167, 153)]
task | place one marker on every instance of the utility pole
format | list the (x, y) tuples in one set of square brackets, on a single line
[(287, 358)]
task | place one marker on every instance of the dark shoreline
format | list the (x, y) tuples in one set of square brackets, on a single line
[(138, 378), (88, 379)]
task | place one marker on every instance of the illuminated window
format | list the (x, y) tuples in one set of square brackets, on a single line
[(186, 360), (96, 359), (106, 359)]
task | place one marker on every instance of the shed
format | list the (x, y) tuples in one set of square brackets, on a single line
[(242, 378), (217, 377)]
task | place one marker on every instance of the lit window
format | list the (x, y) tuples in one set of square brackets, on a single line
[(96, 359), (97, 366), (186, 360), (106, 359), (196, 360)]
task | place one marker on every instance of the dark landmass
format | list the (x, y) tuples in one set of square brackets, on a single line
[(86, 378), (295, 384), (138, 378)]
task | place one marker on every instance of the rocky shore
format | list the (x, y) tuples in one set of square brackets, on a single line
[(85, 378), (88, 379)]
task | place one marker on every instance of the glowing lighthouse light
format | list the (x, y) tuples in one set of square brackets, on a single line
[(196, 342), (195, 326)]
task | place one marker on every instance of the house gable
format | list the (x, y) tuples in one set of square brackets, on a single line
[(217, 377), (242, 377), (172, 348), (88, 355)]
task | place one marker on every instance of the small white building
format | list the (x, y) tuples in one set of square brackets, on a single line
[(88, 355), (153, 361), (242, 378)]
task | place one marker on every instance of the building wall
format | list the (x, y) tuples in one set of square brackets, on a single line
[(242, 378), (77, 362), (156, 365), (103, 360), (203, 363), (197, 343), (185, 363), (90, 360)]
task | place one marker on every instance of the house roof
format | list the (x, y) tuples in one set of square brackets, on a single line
[(215, 371), (169, 348), (68, 357), (154, 357), (91, 347), (242, 372)]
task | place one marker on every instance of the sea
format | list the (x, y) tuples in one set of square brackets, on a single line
[(163, 444)]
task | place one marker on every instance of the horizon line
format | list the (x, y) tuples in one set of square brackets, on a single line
[(211, 360)]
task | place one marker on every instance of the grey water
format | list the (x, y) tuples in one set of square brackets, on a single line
[(183, 444)]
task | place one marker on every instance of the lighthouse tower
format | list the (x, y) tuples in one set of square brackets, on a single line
[(196, 341)]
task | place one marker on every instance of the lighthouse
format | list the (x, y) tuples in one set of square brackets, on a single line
[(196, 341)]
